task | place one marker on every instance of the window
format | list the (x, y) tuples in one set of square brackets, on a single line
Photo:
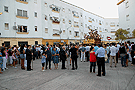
[(46, 30), (127, 17), (45, 4), (85, 17), (55, 8), (7, 43), (55, 20), (69, 21), (85, 25), (82, 24), (22, 43), (24, 13), (63, 31), (90, 19), (22, 28), (127, 4), (36, 42), (76, 33), (75, 14), (106, 30), (63, 20), (81, 14), (112, 24), (100, 22), (35, 14), (63, 9), (76, 24), (45, 17), (19, 12), (117, 25), (70, 32), (6, 26), (35, 28), (106, 23), (5, 9), (69, 10)]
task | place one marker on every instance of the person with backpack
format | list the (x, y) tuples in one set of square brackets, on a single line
[(123, 52)]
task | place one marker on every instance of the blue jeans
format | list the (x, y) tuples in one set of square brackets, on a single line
[(123, 61)]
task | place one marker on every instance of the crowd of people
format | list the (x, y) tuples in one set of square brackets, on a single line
[(95, 54)]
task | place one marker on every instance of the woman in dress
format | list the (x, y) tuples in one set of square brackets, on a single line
[(55, 56)]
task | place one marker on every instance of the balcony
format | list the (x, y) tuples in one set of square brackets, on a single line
[(90, 21), (55, 20), (22, 1), (22, 17), (22, 32), (77, 26), (55, 8), (56, 34)]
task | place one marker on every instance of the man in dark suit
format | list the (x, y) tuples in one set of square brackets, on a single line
[(49, 54), (74, 57), (63, 57), (28, 58)]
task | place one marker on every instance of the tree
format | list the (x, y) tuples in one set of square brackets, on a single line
[(121, 34), (133, 33)]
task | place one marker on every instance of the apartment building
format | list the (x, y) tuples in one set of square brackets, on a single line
[(110, 28), (45, 21), (126, 15)]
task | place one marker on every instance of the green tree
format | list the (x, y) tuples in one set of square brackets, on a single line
[(133, 33), (121, 34)]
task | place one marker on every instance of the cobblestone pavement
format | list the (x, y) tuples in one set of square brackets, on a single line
[(118, 78)]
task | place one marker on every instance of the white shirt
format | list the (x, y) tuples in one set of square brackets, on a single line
[(113, 50), (118, 46)]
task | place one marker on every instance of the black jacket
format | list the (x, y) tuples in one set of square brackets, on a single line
[(28, 55), (62, 54)]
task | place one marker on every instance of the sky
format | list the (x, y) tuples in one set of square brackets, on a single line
[(104, 8)]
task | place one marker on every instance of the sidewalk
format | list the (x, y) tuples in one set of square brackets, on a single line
[(119, 78)]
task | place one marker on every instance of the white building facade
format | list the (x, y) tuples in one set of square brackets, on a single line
[(45, 21), (126, 15), (110, 28)]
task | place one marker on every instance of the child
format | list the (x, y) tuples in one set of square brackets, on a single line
[(92, 60), (14, 59), (43, 61)]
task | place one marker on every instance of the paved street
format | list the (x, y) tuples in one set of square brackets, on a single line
[(118, 78)]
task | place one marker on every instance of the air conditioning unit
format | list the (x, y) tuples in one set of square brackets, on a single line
[(15, 27)]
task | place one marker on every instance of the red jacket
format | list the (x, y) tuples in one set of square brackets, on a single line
[(92, 57)]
